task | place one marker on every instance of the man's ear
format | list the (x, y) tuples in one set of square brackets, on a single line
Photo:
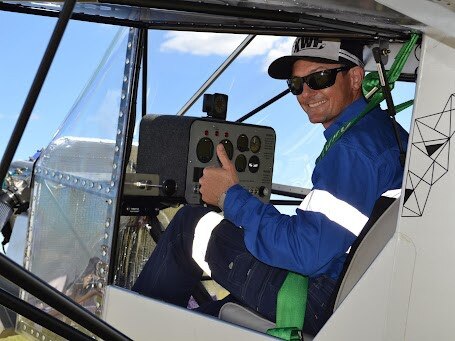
[(357, 74)]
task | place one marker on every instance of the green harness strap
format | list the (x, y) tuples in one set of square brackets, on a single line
[(371, 87), (290, 309), (292, 297)]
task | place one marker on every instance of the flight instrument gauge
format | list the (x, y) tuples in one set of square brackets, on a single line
[(255, 144), (229, 148), (253, 164), (242, 143), (204, 150), (240, 163)]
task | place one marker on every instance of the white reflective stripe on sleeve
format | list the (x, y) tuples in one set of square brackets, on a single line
[(335, 209), (201, 239), (393, 193)]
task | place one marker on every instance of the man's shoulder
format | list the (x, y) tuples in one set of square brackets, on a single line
[(373, 134)]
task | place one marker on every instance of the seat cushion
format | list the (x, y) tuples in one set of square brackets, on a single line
[(245, 317)]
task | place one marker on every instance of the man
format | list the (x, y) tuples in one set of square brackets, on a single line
[(251, 251)]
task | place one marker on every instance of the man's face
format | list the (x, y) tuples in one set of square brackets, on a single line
[(324, 106)]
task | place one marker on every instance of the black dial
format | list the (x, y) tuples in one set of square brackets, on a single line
[(220, 104), (253, 164), (229, 148), (240, 163), (204, 150), (255, 144), (242, 143)]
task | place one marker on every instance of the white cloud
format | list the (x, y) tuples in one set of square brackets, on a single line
[(202, 44), (206, 44), (281, 47)]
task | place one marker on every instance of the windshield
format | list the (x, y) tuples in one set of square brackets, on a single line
[(193, 57)]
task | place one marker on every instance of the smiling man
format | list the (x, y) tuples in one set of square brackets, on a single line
[(251, 251)]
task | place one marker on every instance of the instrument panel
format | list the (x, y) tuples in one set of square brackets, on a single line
[(250, 148), (177, 149)]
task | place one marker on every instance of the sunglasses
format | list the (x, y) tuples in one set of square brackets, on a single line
[(316, 80)]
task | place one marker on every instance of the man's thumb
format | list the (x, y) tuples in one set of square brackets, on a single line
[(222, 155)]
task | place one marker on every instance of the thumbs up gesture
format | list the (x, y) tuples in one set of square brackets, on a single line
[(217, 180)]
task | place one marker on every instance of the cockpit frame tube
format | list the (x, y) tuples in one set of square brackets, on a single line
[(128, 108), (144, 72), (37, 84)]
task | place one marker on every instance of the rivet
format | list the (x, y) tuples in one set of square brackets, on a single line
[(106, 236), (60, 176), (127, 61), (67, 178), (108, 190), (109, 202), (91, 184), (100, 187), (117, 148), (108, 223), (119, 132), (231, 265), (75, 181), (125, 79), (114, 166), (112, 183), (83, 182), (121, 114)]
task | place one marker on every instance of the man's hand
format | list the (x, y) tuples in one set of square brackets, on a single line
[(216, 181)]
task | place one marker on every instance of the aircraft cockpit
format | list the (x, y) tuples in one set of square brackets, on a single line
[(89, 208)]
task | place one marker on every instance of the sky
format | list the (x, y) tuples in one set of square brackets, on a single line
[(179, 63)]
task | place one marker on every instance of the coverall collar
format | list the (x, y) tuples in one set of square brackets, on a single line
[(346, 115)]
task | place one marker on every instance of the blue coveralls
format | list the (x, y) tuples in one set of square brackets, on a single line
[(251, 262)]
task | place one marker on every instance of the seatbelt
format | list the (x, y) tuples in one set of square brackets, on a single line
[(292, 297), (290, 310)]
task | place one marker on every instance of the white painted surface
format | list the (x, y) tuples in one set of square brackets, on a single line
[(146, 319), (362, 315), (431, 13), (432, 298)]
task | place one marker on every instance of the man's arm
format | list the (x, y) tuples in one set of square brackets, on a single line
[(309, 241)]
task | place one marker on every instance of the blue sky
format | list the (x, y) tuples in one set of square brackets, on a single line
[(179, 63)]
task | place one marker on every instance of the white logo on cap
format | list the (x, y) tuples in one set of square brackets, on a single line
[(306, 43)]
